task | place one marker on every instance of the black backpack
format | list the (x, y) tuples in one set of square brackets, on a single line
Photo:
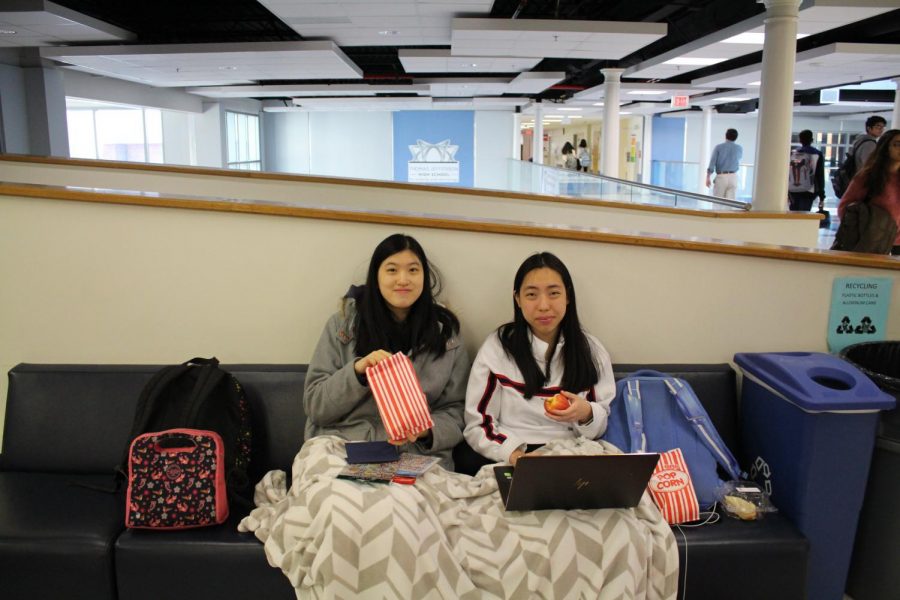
[(198, 394), (840, 177)]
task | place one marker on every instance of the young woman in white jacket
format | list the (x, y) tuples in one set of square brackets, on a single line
[(543, 352)]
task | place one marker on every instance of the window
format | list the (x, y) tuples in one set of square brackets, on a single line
[(114, 132), (242, 136)]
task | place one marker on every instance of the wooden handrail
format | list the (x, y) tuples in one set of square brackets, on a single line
[(589, 234), (372, 183)]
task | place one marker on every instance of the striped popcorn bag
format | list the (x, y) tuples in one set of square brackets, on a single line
[(672, 490), (399, 397)]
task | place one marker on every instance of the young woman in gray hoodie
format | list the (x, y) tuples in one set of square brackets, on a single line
[(395, 311)]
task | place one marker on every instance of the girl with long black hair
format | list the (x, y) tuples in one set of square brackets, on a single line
[(878, 182), (542, 353), (395, 311)]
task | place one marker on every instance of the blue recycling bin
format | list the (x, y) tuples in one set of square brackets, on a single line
[(808, 423)]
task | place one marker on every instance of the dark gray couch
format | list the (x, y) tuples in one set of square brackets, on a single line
[(66, 426)]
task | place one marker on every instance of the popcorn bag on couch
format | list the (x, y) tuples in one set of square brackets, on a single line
[(672, 489), (399, 397), (176, 480)]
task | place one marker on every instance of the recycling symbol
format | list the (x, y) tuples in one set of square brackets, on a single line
[(761, 471), (865, 326)]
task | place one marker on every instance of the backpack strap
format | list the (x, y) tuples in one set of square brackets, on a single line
[(209, 377), (695, 414), (151, 391), (635, 415), (633, 411)]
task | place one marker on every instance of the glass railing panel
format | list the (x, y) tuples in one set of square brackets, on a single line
[(527, 177), (690, 176)]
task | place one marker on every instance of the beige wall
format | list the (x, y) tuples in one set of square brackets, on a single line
[(792, 231), (93, 283)]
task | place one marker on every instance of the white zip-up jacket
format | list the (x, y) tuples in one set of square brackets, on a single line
[(499, 419)]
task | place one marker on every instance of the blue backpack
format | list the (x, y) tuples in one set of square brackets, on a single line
[(664, 413)]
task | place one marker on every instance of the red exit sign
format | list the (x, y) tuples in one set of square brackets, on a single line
[(681, 101)]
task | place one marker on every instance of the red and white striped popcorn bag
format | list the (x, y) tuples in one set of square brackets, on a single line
[(399, 397), (672, 489)]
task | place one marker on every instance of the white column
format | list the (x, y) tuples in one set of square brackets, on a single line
[(776, 103), (895, 119), (609, 159), (537, 141), (705, 151), (647, 149)]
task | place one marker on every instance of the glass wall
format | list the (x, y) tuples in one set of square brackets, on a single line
[(242, 136), (114, 132)]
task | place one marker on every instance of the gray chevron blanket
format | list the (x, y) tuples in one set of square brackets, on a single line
[(448, 536)]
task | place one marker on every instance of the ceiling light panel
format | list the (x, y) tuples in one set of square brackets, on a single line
[(210, 64), (312, 91), (551, 38), (534, 82), (459, 87), (815, 16), (827, 66), (357, 104), (441, 61), (660, 91), (41, 23), (357, 23)]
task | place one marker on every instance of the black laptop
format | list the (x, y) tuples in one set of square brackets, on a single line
[(571, 482)]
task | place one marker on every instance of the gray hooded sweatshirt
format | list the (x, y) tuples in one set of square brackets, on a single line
[(337, 403)]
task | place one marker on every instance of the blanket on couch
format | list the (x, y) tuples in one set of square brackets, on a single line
[(448, 536)]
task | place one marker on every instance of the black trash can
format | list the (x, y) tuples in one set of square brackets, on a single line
[(876, 554)]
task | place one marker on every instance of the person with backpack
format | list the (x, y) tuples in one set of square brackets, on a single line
[(541, 354), (584, 156), (858, 155), (395, 311), (569, 159), (878, 183), (806, 175)]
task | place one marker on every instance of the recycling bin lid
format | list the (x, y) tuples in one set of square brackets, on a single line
[(815, 381)]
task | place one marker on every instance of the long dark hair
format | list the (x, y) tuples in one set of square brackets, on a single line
[(579, 370), (877, 169), (429, 324)]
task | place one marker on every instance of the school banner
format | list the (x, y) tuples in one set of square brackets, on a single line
[(859, 311), (435, 147)]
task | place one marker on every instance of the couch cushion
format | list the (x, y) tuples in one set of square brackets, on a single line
[(208, 563), (56, 538), (70, 418), (90, 408), (742, 560)]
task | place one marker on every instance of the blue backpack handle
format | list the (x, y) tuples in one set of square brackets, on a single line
[(692, 410), (635, 415)]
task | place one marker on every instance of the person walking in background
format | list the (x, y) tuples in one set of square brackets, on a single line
[(584, 156), (864, 145), (806, 176), (724, 162), (569, 159), (879, 181)]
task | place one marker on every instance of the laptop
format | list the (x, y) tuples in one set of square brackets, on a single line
[(573, 482)]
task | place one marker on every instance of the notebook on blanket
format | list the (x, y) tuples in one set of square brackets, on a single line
[(571, 482)]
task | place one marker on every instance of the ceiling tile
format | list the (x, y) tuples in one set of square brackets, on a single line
[(832, 65), (551, 38), (210, 64)]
